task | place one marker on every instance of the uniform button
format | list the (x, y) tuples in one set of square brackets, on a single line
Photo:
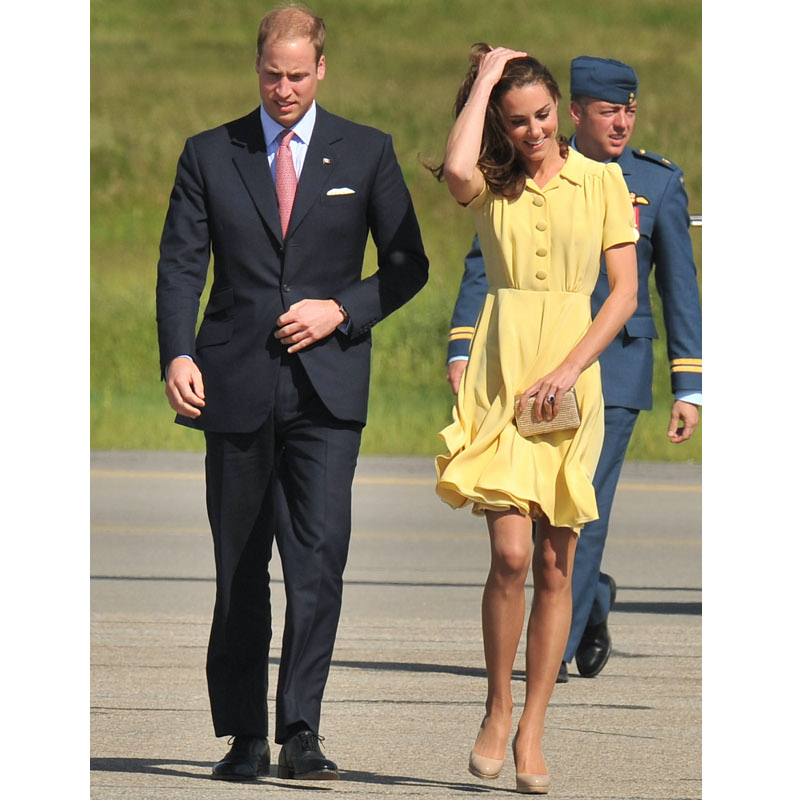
[(542, 251), (541, 274), (286, 287), (538, 200), (541, 225)]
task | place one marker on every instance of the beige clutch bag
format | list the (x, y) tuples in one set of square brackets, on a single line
[(567, 419)]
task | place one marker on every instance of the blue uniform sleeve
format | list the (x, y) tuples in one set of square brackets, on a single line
[(470, 298), (676, 281)]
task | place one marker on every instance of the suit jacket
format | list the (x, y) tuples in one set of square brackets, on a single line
[(224, 202), (662, 220)]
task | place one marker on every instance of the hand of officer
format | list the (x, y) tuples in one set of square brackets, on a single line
[(686, 413), (307, 322), (184, 388), (455, 369)]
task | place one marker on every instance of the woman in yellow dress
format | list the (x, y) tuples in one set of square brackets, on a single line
[(544, 215)]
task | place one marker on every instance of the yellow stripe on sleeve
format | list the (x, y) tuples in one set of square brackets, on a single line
[(687, 362), (687, 369), (686, 365), (464, 332)]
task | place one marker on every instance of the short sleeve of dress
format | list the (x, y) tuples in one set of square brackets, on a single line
[(480, 199), (618, 226)]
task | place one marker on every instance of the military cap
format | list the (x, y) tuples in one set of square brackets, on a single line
[(603, 78)]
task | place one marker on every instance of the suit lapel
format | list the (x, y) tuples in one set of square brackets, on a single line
[(250, 160), (318, 168)]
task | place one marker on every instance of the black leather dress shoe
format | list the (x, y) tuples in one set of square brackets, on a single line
[(563, 675), (247, 759), (594, 647), (302, 759)]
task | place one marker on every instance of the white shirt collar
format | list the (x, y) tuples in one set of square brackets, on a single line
[(303, 128)]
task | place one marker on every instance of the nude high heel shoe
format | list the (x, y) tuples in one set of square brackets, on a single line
[(530, 782), (483, 767)]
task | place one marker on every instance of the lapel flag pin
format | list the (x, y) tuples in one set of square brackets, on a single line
[(326, 161)]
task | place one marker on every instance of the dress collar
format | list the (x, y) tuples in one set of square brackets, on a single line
[(570, 171)]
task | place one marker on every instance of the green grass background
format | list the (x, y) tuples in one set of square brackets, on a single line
[(162, 70)]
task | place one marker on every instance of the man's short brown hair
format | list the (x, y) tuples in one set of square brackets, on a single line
[(292, 21)]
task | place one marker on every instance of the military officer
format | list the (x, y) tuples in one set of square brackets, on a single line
[(603, 108)]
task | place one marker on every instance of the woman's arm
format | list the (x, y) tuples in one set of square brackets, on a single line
[(464, 142), (613, 314)]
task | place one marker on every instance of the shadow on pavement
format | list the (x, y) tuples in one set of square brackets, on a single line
[(655, 607), (151, 766), (159, 766)]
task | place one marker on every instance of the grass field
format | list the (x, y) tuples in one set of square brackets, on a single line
[(162, 70)]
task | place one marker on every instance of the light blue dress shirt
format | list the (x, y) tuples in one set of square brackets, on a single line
[(298, 144)]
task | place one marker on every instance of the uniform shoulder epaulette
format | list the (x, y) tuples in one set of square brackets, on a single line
[(655, 158)]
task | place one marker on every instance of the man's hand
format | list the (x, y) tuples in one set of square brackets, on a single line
[(686, 413), (455, 369), (185, 387), (307, 322)]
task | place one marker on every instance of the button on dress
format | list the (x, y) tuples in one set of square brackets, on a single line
[(542, 254)]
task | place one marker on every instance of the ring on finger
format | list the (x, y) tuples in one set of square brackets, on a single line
[(551, 399)]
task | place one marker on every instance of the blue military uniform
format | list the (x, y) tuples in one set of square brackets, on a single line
[(660, 204)]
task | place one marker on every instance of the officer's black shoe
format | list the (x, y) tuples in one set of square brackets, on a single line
[(612, 585), (302, 759), (593, 651), (594, 647), (247, 759), (563, 675)]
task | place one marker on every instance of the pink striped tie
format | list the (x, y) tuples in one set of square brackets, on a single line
[(285, 179)]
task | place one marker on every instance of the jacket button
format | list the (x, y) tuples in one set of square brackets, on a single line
[(538, 200), (286, 287), (541, 225), (541, 274), (541, 252)]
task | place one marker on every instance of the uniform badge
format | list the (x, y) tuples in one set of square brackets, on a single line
[(637, 200)]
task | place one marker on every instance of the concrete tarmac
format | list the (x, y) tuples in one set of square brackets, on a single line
[(407, 685)]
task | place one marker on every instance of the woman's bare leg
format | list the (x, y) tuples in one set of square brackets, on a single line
[(503, 615), (548, 630)]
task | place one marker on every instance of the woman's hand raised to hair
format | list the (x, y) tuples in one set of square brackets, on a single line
[(494, 62), (463, 147)]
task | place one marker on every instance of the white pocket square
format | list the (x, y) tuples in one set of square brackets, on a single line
[(341, 190)]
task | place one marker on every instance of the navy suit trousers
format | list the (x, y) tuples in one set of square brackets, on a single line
[(288, 482)]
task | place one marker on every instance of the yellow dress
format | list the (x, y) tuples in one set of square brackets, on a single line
[(542, 254)]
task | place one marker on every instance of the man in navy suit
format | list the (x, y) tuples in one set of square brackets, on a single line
[(277, 376), (603, 108)]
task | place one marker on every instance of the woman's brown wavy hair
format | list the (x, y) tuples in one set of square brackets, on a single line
[(502, 170)]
